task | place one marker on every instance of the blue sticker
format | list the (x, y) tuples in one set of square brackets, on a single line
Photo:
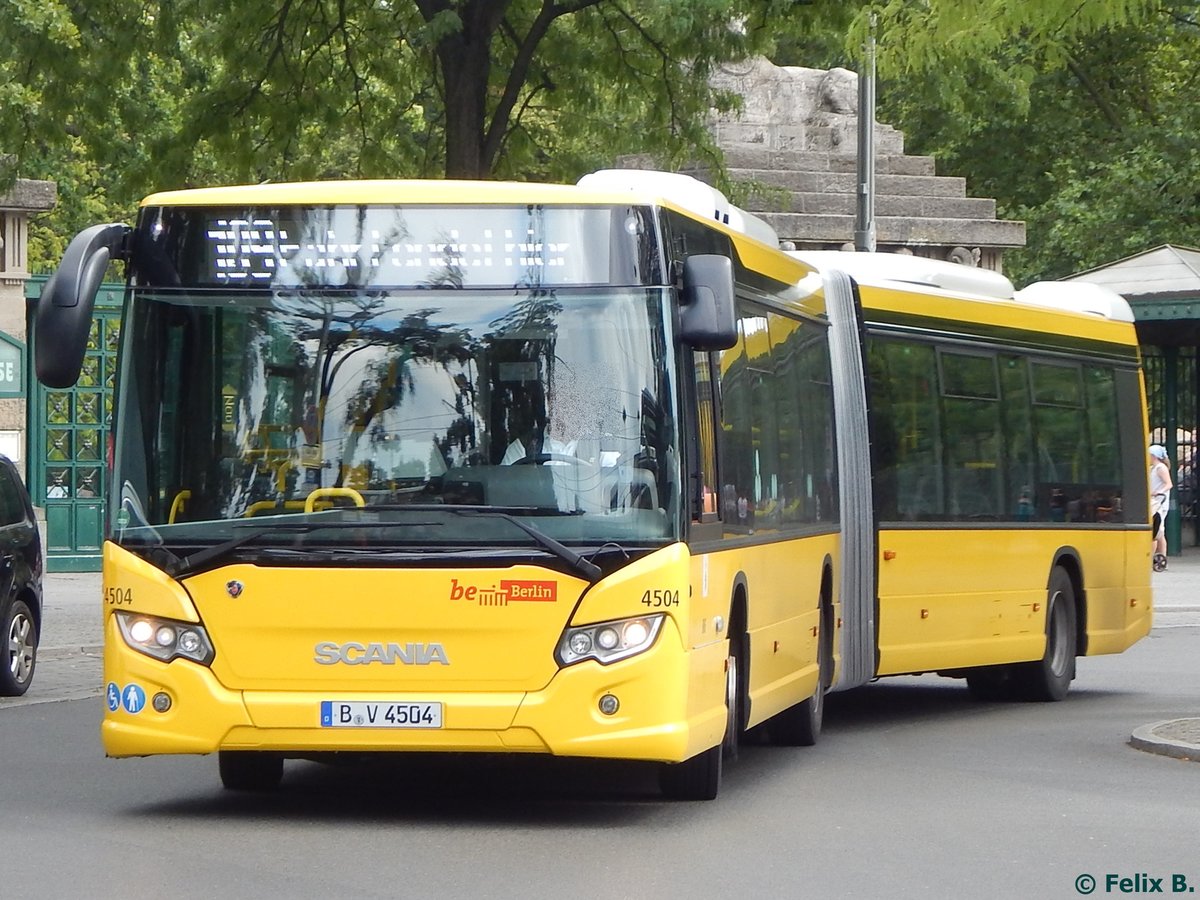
[(133, 699), (112, 696)]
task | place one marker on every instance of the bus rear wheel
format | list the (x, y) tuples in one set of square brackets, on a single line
[(250, 770), (1050, 678)]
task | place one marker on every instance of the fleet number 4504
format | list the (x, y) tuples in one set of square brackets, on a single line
[(117, 596), (659, 598)]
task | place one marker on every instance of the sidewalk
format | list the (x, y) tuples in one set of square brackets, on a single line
[(1176, 604), (69, 660), (1177, 590), (71, 612)]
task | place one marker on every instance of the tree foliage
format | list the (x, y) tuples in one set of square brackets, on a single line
[(114, 99), (172, 93), (1095, 150)]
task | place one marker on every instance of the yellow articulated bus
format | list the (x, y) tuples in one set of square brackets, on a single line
[(592, 470)]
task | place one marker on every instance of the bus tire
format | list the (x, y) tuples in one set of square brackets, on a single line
[(800, 725), (699, 778), (736, 671), (1050, 678), (250, 770)]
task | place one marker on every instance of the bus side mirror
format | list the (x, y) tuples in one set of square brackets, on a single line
[(707, 320), (63, 316)]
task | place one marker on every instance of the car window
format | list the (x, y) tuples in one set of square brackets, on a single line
[(12, 506)]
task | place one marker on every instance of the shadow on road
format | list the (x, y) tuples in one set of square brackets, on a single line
[(917, 699)]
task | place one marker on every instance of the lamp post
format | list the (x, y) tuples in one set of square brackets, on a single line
[(864, 214)]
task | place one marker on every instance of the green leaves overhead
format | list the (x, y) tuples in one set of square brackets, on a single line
[(114, 99), (918, 36), (160, 95), (1096, 154)]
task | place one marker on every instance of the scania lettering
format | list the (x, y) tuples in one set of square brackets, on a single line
[(353, 654)]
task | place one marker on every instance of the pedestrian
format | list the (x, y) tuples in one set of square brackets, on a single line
[(1160, 502)]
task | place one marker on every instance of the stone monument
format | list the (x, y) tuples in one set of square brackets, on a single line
[(791, 151)]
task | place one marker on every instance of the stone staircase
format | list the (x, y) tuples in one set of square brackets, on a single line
[(791, 153), (808, 197)]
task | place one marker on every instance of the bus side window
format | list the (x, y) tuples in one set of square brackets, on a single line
[(707, 437)]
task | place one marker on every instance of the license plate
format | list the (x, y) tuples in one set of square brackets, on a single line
[(358, 714)]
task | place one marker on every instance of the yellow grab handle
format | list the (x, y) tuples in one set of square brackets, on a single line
[(354, 495), (177, 505)]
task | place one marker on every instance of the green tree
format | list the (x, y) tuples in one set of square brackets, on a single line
[(132, 96), (161, 95), (1093, 149)]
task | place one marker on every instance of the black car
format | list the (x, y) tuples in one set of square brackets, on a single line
[(20, 583)]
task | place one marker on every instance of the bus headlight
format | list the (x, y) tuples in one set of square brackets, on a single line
[(608, 642), (165, 639)]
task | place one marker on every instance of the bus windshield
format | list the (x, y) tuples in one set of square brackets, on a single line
[(397, 410)]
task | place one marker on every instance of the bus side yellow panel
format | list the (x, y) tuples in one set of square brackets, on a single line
[(783, 585), (928, 623)]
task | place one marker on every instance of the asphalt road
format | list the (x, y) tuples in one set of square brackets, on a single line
[(913, 791)]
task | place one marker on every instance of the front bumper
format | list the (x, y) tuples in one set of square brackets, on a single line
[(671, 707)]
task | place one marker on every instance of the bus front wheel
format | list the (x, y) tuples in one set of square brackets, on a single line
[(699, 778), (250, 770)]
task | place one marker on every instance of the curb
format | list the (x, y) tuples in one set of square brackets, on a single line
[(1169, 738), (69, 651)]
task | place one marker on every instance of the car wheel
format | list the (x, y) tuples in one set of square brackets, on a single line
[(20, 636)]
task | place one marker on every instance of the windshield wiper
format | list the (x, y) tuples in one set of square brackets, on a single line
[(589, 570), (189, 565)]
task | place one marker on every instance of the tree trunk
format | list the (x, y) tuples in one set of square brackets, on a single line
[(465, 70), (465, 61)]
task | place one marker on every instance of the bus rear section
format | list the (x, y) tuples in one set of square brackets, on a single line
[(1007, 452)]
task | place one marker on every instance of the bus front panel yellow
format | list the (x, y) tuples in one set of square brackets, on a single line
[(314, 659)]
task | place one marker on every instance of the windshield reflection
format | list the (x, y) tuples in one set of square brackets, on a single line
[(552, 405)]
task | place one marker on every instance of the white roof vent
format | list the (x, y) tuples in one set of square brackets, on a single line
[(748, 223), (1077, 296), (900, 269), (684, 191)]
